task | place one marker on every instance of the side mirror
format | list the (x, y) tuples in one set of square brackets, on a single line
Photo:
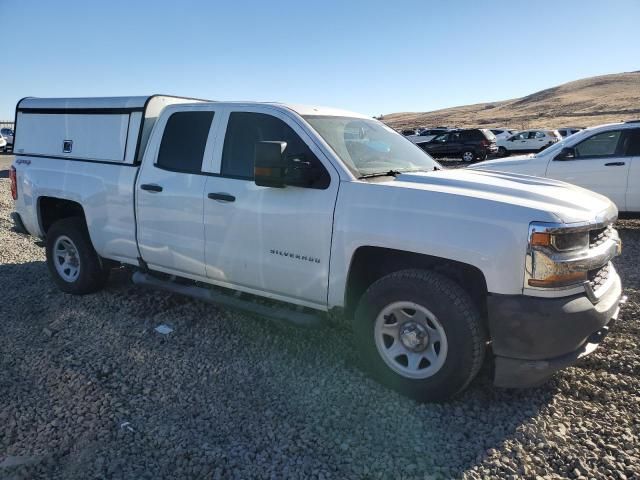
[(567, 153), (273, 168), (269, 164)]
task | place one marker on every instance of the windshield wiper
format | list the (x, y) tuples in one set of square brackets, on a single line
[(394, 173), (388, 173)]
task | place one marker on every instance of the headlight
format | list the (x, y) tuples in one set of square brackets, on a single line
[(562, 242), (555, 256)]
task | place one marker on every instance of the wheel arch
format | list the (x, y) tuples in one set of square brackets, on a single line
[(370, 263), (52, 209)]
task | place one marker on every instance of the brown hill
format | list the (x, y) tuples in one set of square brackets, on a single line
[(586, 102)]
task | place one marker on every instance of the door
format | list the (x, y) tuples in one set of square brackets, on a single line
[(454, 145), (538, 140), (520, 142), (438, 145), (632, 154), (170, 190), (271, 241), (596, 163)]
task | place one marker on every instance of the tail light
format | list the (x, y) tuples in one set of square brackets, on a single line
[(14, 182), (485, 142)]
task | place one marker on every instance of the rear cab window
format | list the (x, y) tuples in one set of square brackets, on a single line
[(183, 141)]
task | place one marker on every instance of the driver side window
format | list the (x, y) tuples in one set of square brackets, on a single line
[(245, 129), (604, 144)]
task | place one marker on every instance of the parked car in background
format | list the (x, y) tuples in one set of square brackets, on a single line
[(427, 134), (468, 144), (566, 131), (503, 133), (605, 159), (528, 141), (3, 144), (7, 133), (408, 132)]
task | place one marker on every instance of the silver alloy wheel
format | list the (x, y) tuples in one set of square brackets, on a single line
[(467, 156), (410, 340), (66, 259)]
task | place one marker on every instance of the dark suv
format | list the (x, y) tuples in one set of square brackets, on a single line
[(468, 144)]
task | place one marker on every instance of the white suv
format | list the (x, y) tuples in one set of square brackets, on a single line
[(605, 159), (7, 134), (528, 141), (503, 133)]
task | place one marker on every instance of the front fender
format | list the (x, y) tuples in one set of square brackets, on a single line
[(485, 234)]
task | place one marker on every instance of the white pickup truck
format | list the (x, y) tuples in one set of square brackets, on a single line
[(307, 212)]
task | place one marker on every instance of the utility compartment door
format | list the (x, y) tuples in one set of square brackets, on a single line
[(101, 137), (169, 191)]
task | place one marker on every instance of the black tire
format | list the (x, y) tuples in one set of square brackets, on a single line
[(93, 273), (502, 152), (482, 157), (458, 316)]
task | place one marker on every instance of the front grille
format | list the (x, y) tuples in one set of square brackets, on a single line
[(599, 236), (598, 277)]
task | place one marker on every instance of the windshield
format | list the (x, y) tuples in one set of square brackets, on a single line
[(368, 147)]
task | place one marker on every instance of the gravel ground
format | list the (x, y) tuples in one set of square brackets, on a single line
[(89, 390)]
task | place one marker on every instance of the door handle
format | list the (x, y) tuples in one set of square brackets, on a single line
[(225, 197), (151, 187), (614, 164)]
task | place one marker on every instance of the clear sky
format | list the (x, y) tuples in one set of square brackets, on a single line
[(370, 56)]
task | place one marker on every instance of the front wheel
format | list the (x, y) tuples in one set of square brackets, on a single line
[(73, 263), (468, 156), (420, 333)]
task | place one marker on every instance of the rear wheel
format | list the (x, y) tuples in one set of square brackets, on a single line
[(73, 263), (468, 156), (502, 152), (420, 333)]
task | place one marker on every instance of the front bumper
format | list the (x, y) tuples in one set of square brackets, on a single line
[(534, 337)]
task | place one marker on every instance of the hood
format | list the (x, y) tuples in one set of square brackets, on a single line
[(562, 201), (502, 162)]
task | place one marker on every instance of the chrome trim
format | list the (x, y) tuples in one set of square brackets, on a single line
[(603, 219), (587, 258)]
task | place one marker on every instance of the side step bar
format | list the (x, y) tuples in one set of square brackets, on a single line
[(230, 301)]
